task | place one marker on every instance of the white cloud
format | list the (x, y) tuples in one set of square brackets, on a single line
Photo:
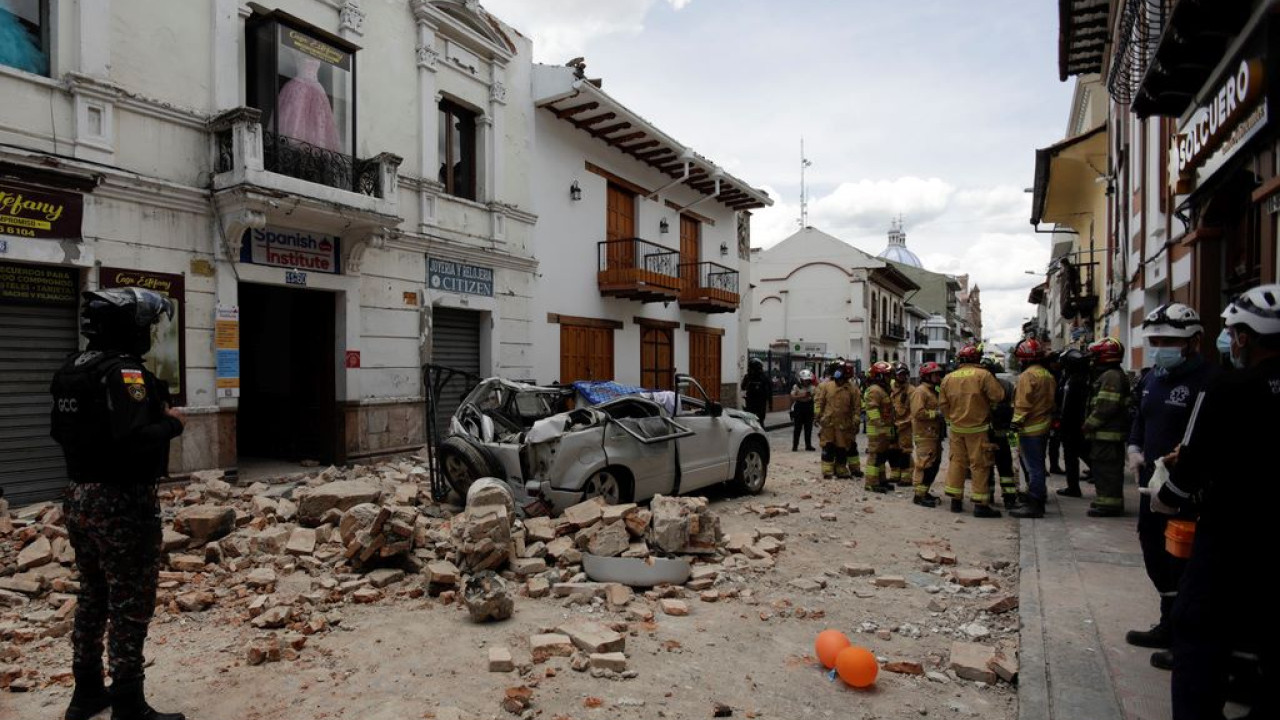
[(562, 29), (870, 205), (679, 4)]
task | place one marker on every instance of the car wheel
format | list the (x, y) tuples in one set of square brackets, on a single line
[(753, 468), (611, 485), (462, 463)]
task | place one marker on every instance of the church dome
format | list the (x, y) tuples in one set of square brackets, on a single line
[(897, 250)]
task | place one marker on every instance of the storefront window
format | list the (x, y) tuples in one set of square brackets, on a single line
[(303, 82), (24, 35)]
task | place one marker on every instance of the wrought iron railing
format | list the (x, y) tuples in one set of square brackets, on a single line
[(295, 158), (893, 331), (637, 254), (709, 276)]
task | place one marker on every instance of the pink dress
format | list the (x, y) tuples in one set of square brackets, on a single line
[(305, 112)]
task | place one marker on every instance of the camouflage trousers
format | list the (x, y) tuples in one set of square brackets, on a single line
[(115, 530)]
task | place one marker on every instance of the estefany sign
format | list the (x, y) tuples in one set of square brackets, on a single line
[(292, 249), (36, 213), (1218, 122), (456, 277)]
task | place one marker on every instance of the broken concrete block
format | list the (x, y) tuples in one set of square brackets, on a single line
[(1002, 604), (364, 596), (770, 544), (615, 513), (890, 581), (806, 584), (971, 661), (276, 617), (383, 577), (500, 660), (39, 552), (271, 541), (194, 601), (263, 506), (487, 597), (187, 563), (263, 650), (302, 541), (637, 522), (357, 519), (1005, 666), (482, 537), (593, 637), (549, 645), (539, 529), (584, 513), (857, 570), (25, 585), (442, 572), (618, 595), (342, 495), (205, 522), (558, 547), (612, 661), (684, 525), (172, 540), (608, 540), (261, 578), (906, 667), (709, 596), (537, 587), (676, 608), (524, 567), (969, 577)]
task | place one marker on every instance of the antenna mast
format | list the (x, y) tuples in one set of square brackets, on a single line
[(804, 196)]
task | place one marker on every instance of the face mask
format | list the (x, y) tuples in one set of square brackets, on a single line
[(1224, 342), (1167, 357)]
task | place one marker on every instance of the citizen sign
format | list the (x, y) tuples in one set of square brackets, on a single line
[(1213, 122), (457, 277)]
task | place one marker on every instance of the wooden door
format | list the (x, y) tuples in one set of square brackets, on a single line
[(657, 361), (586, 353), (620, 224), (704, 361), (690, 250)]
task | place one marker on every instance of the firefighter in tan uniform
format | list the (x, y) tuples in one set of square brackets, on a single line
[(926, 433), (965, 400), (1107, 427), (838, 412), (1033, 409), (880, 427), (900, 461)]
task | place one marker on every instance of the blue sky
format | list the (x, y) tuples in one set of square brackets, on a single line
[(928, 108)]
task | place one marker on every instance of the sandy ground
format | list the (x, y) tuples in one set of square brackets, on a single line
[(413, 658)]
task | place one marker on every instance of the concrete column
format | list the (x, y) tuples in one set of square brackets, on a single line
[(92, 19), (227, 63)]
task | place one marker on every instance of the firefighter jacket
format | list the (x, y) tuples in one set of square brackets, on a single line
[(926, 421), (1034, 401), (838, 410), (901, 399), (108, 416), (1108, 414), (880, 428), (966, 399)]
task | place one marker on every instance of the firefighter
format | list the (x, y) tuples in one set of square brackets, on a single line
[(112, 419), (1073, 399), (926, 433), (1165, 398), (1107, 427), (880, 426), (900, 472), (1225, 469), (838, 410), (965, 399), (1001, 419), (1033, 408)]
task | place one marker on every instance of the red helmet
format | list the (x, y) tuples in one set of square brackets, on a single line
[(969, 354), (930, 368), (1107, 350), (879, 371), (1030, 350)]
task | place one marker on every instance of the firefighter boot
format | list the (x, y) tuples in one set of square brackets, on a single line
[(90, 696), (1158, 637), (957, 505), (1162, 659), (855, 465), (1032, 508), (842, 472), (128, 702), (925, 500), (983, 510), (876, 487), (828, 469)]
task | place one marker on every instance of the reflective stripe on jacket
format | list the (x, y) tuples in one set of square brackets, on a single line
[(1108, 418), (966, 398), (926, 421), (837, 406), (879, 413), (1034, 400)]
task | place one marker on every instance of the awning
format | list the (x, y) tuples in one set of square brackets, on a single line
[(1083, 29), (581, 103), (1068, 177)]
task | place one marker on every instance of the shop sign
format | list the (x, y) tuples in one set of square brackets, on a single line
[(226, 348), (297, 250), (38, 284), (32, 212), (456, 277), (312, 47), (809, 348), (167, 357), (1219, 127)]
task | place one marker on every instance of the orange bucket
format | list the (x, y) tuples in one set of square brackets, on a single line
[(1178, 535)]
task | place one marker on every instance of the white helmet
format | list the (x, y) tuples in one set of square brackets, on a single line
[(1173, 320), (1257, 309), (806, 375)]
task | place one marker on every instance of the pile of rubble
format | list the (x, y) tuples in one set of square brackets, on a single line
[(285, 558)]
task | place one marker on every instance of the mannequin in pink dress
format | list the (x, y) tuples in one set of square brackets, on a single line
[(305, 112)]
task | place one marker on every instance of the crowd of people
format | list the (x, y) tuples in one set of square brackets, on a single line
[(1193, 434)]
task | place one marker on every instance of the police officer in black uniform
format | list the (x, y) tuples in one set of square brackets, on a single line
[(112, 418)]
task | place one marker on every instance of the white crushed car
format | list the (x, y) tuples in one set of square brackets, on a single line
[(624, 450)]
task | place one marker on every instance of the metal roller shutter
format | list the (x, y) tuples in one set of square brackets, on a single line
[(455, 344), (34, 341)]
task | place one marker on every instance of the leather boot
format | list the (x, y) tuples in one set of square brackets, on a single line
[(128, 702), (828, 469), (925, 500), (957, 505), (1158, 637), (1032, 509), (1070, 491), (877, 487), (90, 696), (1104, 511), (983, 510), (1162, 659)]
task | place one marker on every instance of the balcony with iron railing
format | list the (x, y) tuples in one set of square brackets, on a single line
[(637, 269), (708, 287), (893, 331)]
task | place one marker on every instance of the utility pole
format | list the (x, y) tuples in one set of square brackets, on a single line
[(804, 197)]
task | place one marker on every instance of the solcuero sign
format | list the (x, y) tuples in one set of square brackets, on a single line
[(1214, 121)]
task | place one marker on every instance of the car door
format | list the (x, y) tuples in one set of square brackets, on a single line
[(703, 456), (645, 445)]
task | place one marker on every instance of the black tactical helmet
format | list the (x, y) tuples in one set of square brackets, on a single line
[(121, 318)]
